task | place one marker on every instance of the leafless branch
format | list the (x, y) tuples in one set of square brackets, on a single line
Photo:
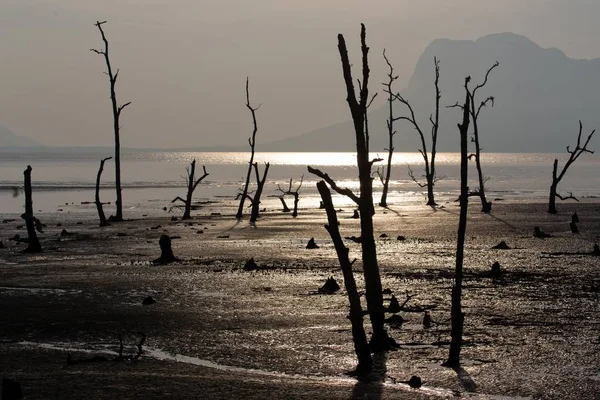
[(343, 191)]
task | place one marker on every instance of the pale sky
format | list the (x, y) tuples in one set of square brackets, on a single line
[(184, 63)]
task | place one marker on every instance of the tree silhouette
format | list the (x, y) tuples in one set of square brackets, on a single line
[(192, 183), (116, 109), (556, 177), (30, 221), (430, 175), (101, 216), (380, 341)]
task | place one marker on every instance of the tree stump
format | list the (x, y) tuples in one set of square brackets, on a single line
[(574, 228), (166, 253), (311, 244), (574, 218)]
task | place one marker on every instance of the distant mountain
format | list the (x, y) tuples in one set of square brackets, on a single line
[(540, 96), (9, 139)]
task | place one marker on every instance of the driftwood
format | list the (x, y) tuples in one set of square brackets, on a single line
[(101, 216), (116, 110)]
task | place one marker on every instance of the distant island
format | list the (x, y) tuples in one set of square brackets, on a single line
[(9, 139)]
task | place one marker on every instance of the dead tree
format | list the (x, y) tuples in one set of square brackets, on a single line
[(116, 110), (252, 143), (457, 316), (430, 175), (383, 172), (359, 337), (556, 177), (380, 341), (295, 193), (192, 183), (30, 221), (260, 184), (103, 221)]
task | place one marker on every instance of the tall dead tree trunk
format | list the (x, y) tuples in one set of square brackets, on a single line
[(486, 206), (116, 110), (260, 184), (101, 216), (30, 221), (380, 341), (359, 337), (556, 177), (252, 143), (192, 184), (295, 193), (430, 174), (457, 316), (385, 180)]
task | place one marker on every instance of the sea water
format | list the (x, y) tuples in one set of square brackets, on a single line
[(154, 178)]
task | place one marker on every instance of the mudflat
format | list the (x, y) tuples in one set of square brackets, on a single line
[(217, 331)]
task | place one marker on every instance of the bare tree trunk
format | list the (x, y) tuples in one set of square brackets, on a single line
[(295, 193), (192, 184), (260, 183), (116, 109), (252, 143), (556, 177), (359, 337), (391, 133), (296, 201), (430, 177), (286, 209), (101, 216), (380, 340), (34, 243), (457, 315)]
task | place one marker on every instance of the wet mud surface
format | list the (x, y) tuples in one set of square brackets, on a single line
[(217, 331)]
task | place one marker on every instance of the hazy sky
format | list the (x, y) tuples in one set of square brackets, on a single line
[(184, 62)]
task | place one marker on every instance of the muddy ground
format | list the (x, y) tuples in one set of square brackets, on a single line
[(219, 332)]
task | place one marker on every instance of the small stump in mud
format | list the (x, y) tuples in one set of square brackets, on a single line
[(355, 215), (501, 246), (395, 321), (394, 306), (574, 218), (596, 250), (496, 270), (574, 228), (251, 265), (311, 244), (166, 253), (331, 286), (427, 321)]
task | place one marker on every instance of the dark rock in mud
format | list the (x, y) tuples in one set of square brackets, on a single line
[(386, 291), (330, 286), (502, 246), (540, 234), (596, 251), (173, 218), (164, 208), (121, 234), (575, 218), (415, 382), (148, 301), (383, 235), (223, 237), (200, 231), (65, 233), (311, 244), (401, 238), (79, 223)]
